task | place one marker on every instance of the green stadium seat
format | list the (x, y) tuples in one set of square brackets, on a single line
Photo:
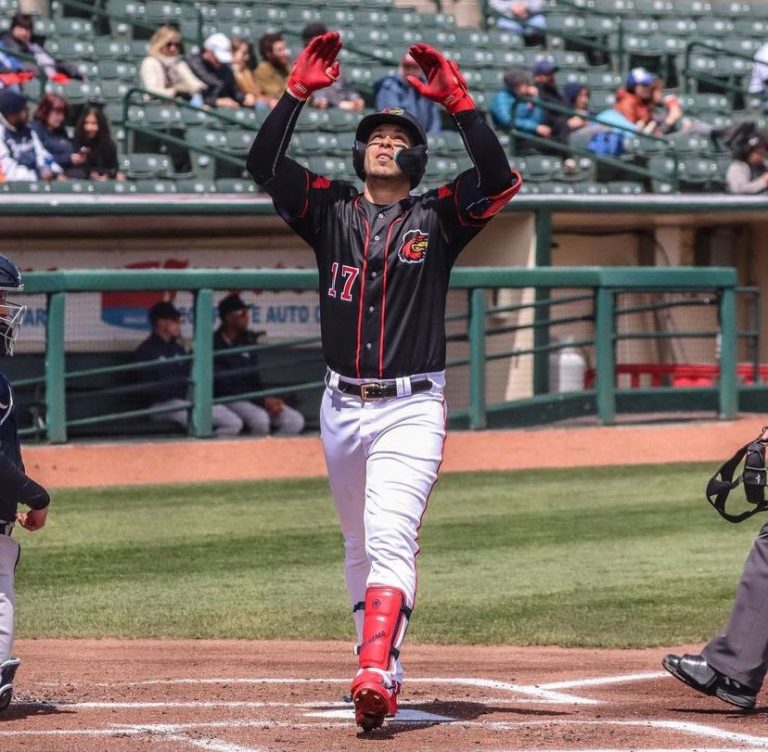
[(372, 17), (238, 142), (113, 186), (204, 165), (161, 12), (24, 186), (87, 70), (656, 8), (334, 168), (732, 9), (234, 14), (107, 48), (138, 49), (311, 119), (640, 26), (155, 186), (717, 28), (751, 27), (68, 48), (591, 189), (299, 16), (360, 77), (473, 58), (315, 143), (117, 69), (510, 58), (116, 89), (626, 187), (71, 186), (529, 188), (142, 166), (76, 92), (447, 143), (195, 185), (72, 27), (617, 7), (235, 185), (499, 39), (538, 167), (677, 26), (689, 143), (692, 8)]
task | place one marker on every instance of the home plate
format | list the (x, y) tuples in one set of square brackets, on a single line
[(404, 715)]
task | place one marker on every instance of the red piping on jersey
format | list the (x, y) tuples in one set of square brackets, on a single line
[(456, 202), (500, 199), (306, 200), (362, 288), (384, 295)]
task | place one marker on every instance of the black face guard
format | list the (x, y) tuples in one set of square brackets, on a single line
[(753, 477)]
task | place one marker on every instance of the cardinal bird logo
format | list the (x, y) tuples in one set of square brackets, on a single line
[(414, 247)]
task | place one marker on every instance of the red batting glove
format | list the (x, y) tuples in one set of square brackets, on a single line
[(445, 84), (316, 66)]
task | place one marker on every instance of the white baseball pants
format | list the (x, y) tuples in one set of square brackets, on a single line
[(383, 457), (9, 556)]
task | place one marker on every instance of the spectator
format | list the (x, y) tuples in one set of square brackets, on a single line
[(748, 172), (166, 382), (245, 77), (20, 38), (236, 373), (164, 71), (22, 156), (527, 116), (544, 72), (93, 138), (524, 17), (339, 94), (212, 67), (758, 83), (396, 91), (48, 123), (272, 72), (635, 99)]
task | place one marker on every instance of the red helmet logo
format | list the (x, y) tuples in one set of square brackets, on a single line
[(414, 247)]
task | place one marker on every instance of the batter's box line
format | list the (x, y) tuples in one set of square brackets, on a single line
[(541, 692)]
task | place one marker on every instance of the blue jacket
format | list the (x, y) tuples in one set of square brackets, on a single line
[(527, 115), (59, 144), (394, 91)]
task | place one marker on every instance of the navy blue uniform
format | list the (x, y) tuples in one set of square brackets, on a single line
[(168, 378)]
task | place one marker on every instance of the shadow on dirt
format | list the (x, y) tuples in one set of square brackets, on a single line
[(722, 712), (30, 709), (455, 710)]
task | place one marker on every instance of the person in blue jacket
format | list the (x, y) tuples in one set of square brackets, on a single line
[(528, 116)]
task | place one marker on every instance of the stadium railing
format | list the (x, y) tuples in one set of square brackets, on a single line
[(478, 329)]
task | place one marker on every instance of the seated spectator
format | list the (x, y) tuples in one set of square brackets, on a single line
[(758, 83), (237, 373), (576, 97), (635, 99), (527, 117), (48, 123), (339, 94), (164, 71), (245, 77), (748, 173), (166, 382), (272, 72), (93, 139), (396, 91), (544, 72), (213, 67), (20, 38), (22, 156), (524, 17)]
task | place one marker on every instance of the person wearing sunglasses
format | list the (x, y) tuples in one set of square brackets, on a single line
[(164, 71)]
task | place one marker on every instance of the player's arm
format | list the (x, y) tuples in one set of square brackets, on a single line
[(19, 488), (285, 180), (496, 182)]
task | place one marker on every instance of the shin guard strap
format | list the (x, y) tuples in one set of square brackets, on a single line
[(383, 629)]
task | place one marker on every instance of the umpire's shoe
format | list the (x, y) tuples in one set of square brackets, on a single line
[(7, 672), (694, 671)]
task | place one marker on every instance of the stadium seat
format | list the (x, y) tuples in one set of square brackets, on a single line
[(72, 27), (447, 143), (333, 168), (235, 185), (68, 48), (118, 69), (539, 167), (654, 7), (312, 143), (76, 92), (627, 187), (113, 186), (195, 185), (692, 8), (107, 48), (155, 186), (161, 12), (204, 165), (140, 166), (71, 186), (238, 142)]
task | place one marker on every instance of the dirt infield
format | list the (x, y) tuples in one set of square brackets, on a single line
[(232, 696)]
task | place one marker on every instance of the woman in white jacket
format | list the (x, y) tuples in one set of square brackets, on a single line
[(164, 71), (748, 173)]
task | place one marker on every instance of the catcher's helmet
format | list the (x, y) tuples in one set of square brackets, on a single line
[(11, 314), (412, 161)]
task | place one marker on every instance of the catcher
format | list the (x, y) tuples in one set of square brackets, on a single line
[(16, 486)]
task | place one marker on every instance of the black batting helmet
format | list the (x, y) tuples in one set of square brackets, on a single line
[(412, 161)]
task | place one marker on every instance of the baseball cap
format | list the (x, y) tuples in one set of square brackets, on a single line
[(545, 67), (11, 102), (312, 30), (640, 77), (221, 46), (231, 303), (163, 310)]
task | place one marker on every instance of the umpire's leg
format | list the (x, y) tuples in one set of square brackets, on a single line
[(740, 651), (9, 556)]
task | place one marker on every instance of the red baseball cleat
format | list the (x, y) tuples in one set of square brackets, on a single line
[(373, 699)]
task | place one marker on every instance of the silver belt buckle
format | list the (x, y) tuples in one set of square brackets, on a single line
[(370, 391)]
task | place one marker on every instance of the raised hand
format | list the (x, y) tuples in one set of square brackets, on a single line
[(316, 66), (445, 83)]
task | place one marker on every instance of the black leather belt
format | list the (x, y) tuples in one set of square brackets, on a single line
[(373, 390)]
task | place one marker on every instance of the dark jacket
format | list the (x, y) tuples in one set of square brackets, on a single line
[(58, 143), (102, 158), (15, 486), (235, 373), (557, 121), (220, 81), (169, 377)]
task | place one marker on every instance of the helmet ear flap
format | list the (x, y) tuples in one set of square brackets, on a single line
[(358, 159)]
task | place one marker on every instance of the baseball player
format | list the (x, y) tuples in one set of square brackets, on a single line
[(384, 258), (16, 486)]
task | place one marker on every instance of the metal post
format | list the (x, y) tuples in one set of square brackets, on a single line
[(729, 398), (541, 313), (477, 415), (55, 382), (606, 356), (202, 366)]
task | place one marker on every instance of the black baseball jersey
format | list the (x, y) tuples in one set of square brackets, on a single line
[(15, 486), (383, 270)]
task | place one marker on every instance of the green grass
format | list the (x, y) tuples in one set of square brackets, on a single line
[(612, 557)]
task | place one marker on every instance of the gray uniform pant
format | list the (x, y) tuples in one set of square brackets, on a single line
[(9, 556), (740, 651)]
